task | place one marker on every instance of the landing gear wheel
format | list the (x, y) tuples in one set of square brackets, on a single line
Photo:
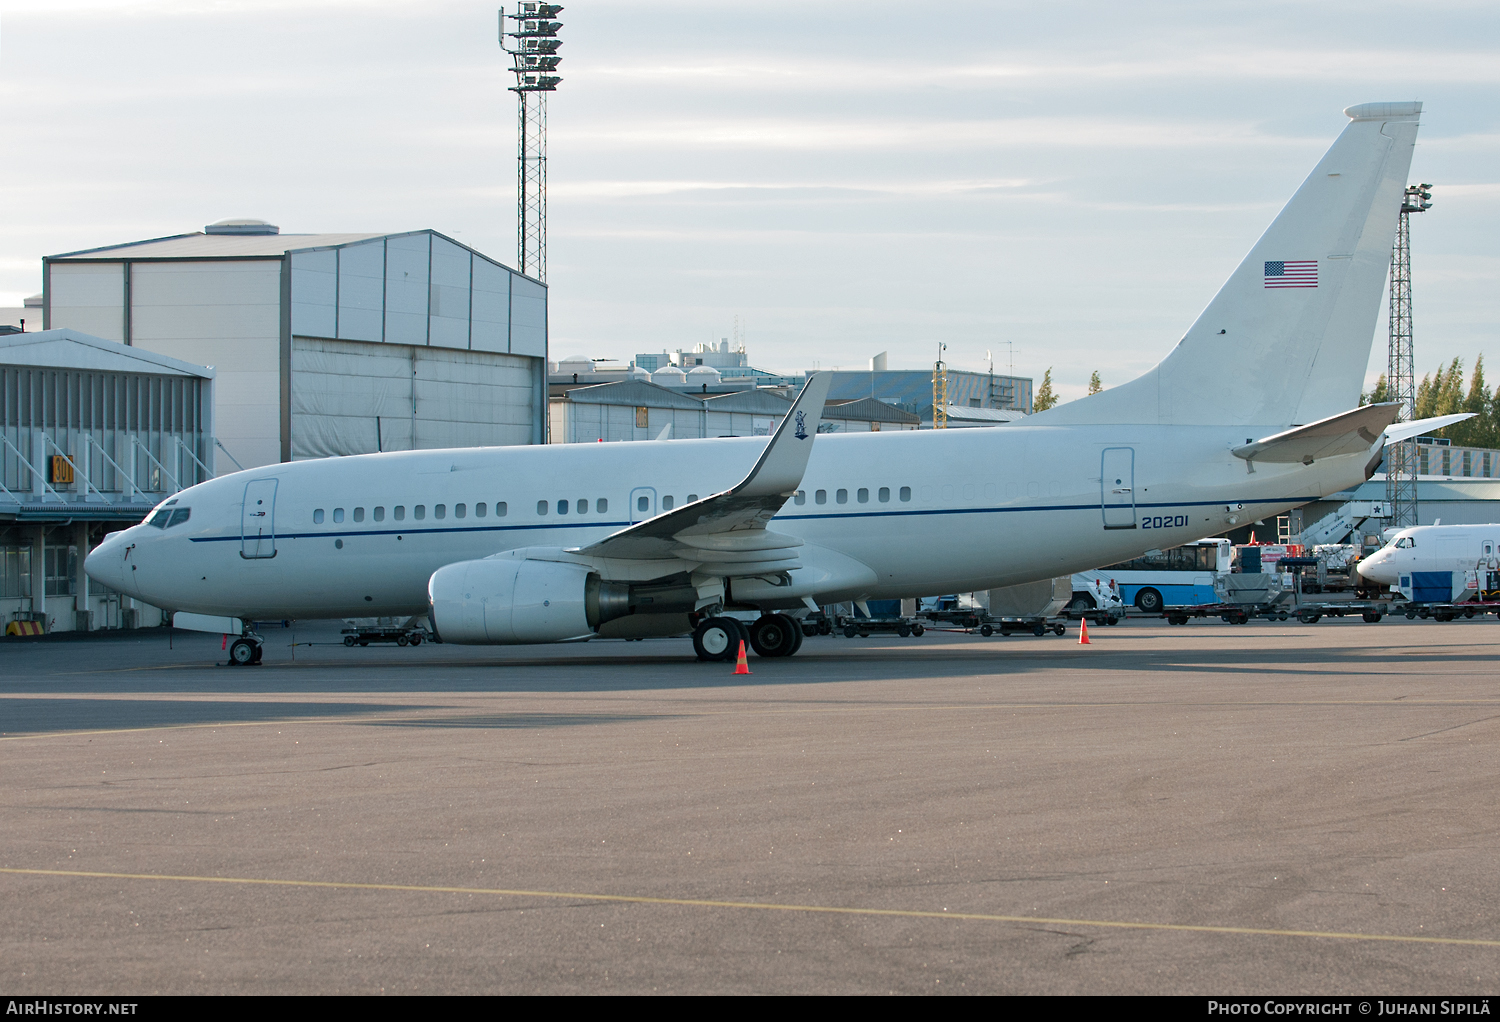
[(986, 631), (919, 629), (349, 640), (244, 651), (718, 638), (775, 635)]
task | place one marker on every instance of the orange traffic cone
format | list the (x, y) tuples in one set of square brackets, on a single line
[(1083, 632), (743, 666)]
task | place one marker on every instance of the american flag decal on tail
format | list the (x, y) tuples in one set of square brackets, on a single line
[(1292, 273)]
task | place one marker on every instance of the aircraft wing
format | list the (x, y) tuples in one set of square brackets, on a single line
[(1346, 433), (726, 532)]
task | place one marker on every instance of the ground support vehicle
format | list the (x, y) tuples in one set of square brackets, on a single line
[(864, 627), (1447, 611), (359, 633), (1229, 613), (1035, 625)]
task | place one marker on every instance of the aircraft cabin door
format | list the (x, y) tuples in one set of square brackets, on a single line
[(1117, 498), (258, 520), (642, 503)]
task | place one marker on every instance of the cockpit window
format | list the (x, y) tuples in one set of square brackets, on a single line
[(179, 516), (1405, 543), (160, 518)]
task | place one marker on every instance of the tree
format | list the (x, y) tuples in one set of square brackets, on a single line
[(1095, 384), (1044, 399), (1381, 393)]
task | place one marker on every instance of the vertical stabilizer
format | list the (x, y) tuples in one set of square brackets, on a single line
[(1287, 339)]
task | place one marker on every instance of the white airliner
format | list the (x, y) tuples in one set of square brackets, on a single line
[(1253, 412), (1455, 548)]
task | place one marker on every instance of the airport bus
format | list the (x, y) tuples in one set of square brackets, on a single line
[(1181, 576)]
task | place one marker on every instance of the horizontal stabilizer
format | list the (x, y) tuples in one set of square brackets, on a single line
[(1406, 430), (742, 510), (1348, 433)]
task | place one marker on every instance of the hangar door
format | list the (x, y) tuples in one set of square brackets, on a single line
[(1118, 485), (355, 397)]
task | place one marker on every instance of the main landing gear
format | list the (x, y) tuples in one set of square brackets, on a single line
[(773, 635)]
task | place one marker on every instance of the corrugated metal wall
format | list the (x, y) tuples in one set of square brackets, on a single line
[(351, 397), (66, 406)]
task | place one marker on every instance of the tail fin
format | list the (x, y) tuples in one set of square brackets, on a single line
[(1287, 339)]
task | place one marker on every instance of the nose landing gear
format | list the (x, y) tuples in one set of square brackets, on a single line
[(245, 651)]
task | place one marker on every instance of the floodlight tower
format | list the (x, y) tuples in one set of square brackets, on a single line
[(940, 390), (533, 53), (1400, 375)]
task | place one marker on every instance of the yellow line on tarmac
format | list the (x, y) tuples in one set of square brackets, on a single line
[(767, 907)]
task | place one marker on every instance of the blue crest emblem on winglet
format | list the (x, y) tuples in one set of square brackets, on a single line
[(801, 433)]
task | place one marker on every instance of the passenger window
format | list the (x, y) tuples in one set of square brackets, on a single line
[(862, 495), (562, 507), (419, 512), (885, 494), (800, 497), (180, 515), (667, 502), (438, 511), (601, 505), (501, 509), (380, 514), (398, 513), (338, 514), (479, 510), (359, 514), (643, 504), (583, 507), (692, 497), (459, 511), (842, 496), (318, 517), (906, 493), (821, 496), (541, 507)]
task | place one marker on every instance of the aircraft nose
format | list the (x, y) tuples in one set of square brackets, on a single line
[(1378, 569), (106, 563)]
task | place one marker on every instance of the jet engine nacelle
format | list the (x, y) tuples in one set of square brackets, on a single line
[(502, 600)]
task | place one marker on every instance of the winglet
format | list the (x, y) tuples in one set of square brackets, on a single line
[(1406, 430), (784, 461)]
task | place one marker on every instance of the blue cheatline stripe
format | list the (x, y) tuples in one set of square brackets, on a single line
[(780, 517)]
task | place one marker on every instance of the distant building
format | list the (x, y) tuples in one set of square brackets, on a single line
[(96, 435), (324, 344)]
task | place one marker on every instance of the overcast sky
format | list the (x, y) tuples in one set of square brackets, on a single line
[(1070, 182)]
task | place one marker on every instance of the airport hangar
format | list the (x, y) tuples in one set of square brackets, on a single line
[(277, 348)]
